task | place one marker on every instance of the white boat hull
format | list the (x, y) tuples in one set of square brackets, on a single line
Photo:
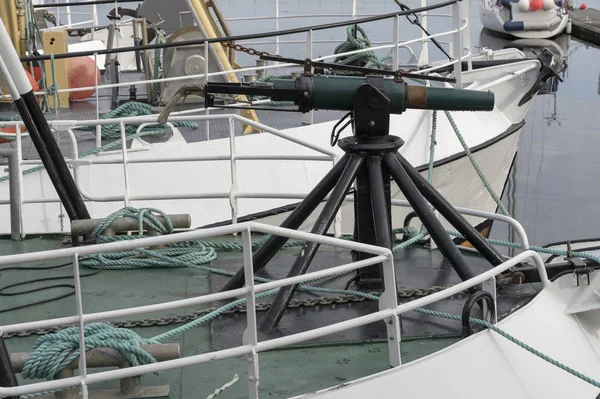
[(202, 188), (488, 365)]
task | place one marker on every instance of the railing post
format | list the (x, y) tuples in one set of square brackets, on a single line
[(16, 215), (125, 174), (81, 324), (69, 20), (456, 44), (466, 33), (353, 10), (96, 84), (396, 40), (19, 171), (307, 118), (207, 111), (250, 336), (277, 26), (424, 56), (389, 300), (94, 21), (233, 164)]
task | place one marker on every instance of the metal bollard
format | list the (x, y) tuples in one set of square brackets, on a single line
[(130, 387), (86, 226), (261, 64)]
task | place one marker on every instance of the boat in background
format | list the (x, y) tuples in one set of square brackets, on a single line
[(526, 19)]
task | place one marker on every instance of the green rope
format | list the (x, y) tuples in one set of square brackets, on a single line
[(354, 42), (432, 145), (131, 109), (53, 352), (550, 251), (476, 165)]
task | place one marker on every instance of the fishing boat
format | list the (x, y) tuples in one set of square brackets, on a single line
[(526, 19), (155, 307), (473, 144)]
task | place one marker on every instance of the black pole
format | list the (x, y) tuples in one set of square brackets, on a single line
[(372, 210), (8, 377), (267, 251), (56, 156), (381, 215), (434, 227), (451, 215), (308, 251)]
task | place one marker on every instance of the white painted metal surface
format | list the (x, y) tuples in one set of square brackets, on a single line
[(488, 365)]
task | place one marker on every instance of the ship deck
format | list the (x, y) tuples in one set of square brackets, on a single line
[(313, 365)]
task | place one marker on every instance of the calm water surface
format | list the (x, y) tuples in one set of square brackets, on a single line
[(554, 188)]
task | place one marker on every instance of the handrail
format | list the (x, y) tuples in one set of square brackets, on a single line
[(388, 312), (243, 37), (268, 67)]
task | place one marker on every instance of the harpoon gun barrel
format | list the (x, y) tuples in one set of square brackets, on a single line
[(337, 93)]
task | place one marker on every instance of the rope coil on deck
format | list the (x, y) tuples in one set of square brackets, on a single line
[(53, 352), (354, 42)]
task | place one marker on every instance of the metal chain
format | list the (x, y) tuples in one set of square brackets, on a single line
[(260, 307), (50, 17), (248, 50)]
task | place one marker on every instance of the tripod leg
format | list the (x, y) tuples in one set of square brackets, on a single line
[(381, 214), (434, 227), (372, 210), (451, 215), (274, 243), (309, 249)]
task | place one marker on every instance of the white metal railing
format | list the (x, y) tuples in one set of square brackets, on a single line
[(389, 310), (459, 32), (328, 155)]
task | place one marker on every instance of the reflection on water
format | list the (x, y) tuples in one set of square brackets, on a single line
[(552, 189)]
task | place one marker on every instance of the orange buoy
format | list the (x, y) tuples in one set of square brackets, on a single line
[(535, 5), (582, 6), (83, 72), (37, 72), (33, 81)]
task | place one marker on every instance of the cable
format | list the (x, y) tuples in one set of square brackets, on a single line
[(416, 22), (38, 280)]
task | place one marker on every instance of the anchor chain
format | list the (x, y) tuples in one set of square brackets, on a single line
[(240, 309), (247, 50)]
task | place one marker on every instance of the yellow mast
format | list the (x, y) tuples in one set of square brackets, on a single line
[(14, 19), (210, 27)]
